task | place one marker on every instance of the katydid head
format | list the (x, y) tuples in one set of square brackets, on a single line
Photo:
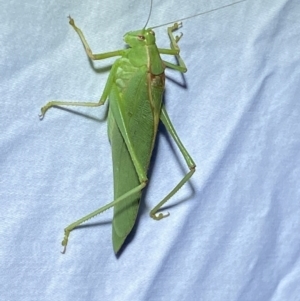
[(143, 37)]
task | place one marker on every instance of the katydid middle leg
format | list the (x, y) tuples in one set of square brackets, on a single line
[(189, 161)]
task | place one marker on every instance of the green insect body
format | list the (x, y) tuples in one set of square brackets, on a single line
[(132, 138), (135, 88)]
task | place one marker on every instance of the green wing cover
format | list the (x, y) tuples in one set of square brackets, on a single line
[(125, 178), (133, 119)]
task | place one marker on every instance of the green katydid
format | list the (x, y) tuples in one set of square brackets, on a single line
[(135, 88)]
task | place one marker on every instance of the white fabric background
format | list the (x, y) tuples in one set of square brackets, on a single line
[(233, 233)]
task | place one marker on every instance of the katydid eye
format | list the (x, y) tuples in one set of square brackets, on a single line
[(152, 32), (141, 37)]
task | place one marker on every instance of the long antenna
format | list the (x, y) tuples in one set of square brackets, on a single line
[(151, 2), (209, 11)]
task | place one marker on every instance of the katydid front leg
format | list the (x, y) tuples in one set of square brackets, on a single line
[(87, 48), (92, 56), (175, 50)]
